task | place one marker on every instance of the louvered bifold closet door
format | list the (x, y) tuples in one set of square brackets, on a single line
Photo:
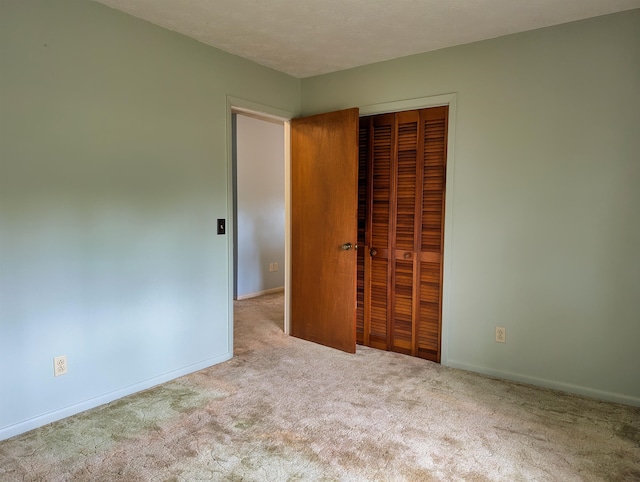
[(406, 231), (363, 158), (378, 254), (434, 123), (402, 177)]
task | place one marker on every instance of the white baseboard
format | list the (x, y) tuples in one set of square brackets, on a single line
[(259, 293), (39, 421), (542, 382)]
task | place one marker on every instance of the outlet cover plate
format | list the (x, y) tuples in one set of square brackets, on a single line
[(501, 334), (59, 365)]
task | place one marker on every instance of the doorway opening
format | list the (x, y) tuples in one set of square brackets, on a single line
[(253, 110), (259, 206)]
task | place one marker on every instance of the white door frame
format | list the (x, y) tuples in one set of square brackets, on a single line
[(238, 105)]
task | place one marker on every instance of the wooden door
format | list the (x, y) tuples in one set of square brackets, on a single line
[(404, 155), (324, 208)]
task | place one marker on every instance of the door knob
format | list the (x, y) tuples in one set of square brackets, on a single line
[(347, 246), (373, 252), (407, 255)]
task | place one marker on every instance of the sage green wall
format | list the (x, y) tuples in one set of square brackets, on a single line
[(113, 171), (546, 198)]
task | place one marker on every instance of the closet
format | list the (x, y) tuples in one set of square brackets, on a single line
[(401, 194)]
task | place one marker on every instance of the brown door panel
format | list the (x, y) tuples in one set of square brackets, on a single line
[(324, 207)]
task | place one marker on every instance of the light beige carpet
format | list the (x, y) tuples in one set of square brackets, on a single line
[(285, 409)]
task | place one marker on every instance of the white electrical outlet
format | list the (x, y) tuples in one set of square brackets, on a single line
[(270, 266), (501, 334), (59, 365), (275, 266)]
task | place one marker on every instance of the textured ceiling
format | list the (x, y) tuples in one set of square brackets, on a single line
[(311, 37)]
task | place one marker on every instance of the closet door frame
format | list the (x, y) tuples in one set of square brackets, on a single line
[(447, 282)]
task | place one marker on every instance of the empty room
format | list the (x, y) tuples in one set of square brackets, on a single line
[(459, 255)]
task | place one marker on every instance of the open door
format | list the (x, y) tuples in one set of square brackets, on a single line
[(324, 210)]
